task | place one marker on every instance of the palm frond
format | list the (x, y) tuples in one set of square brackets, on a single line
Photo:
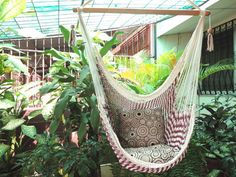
[(222, 65)]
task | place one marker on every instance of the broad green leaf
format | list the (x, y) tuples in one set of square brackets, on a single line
[(83, 74), (6, 104), (48, 109), (214, 173), (82, 131), (41, 139), (7, 117), (34, 114), (53, 126), (3, 149), (83, 127), (9, 96), (17, 64), (57, 54), (13, 124), (66, 78), (63, 101), (94, 116), (94, 119), (30, 89), (27, 86), (11, 8), (65, 32), (49, 87), (79, 50), (76, 50), (29, 130), (108, 45)]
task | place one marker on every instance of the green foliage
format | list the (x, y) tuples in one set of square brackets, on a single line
[(50, 158), (3, 149), (65, 32), (6, 104), (72, 109), (29, 130), (215, 133), (12, 102), (193, 165), (108, 45), (13, 124), (142, 74), (34, 114), (214, 173), (222, 65), (9, 63), (16, 64), (11, 8)]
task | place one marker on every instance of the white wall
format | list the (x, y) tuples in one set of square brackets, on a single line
[(168, 42), (178, 41)]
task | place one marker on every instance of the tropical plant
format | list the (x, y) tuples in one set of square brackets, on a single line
[(215, 135), (13, 102), (74, 141), (10, 9), (142, 74), (222, 65)]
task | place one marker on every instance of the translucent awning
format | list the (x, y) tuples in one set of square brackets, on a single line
[(45, 16)]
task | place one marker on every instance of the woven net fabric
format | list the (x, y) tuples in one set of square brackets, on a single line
[(173, 105)]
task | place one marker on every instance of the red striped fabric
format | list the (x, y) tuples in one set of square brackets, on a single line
[(176, 129)]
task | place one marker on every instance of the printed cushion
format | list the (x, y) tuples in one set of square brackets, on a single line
[(141, 128), (155, 154)]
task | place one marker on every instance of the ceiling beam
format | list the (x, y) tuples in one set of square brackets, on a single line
[(140, 11)]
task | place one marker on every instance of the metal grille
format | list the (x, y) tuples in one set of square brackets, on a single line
[(221, 82)]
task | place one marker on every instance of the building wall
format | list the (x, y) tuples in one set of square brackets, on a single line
[(169, 42), (178, 42)]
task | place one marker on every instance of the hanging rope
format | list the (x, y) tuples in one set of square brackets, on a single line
[(210, 40)]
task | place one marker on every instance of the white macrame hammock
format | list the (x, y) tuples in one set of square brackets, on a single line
[(175, 99)]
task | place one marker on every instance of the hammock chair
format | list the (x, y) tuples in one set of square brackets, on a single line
[(148, 133)]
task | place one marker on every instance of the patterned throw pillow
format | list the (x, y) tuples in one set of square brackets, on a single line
[(141, 128), (154, 154)]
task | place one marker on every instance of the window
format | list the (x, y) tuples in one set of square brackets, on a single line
[(221, 82)]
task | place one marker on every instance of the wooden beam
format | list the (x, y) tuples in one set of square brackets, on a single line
[(140, 11)]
